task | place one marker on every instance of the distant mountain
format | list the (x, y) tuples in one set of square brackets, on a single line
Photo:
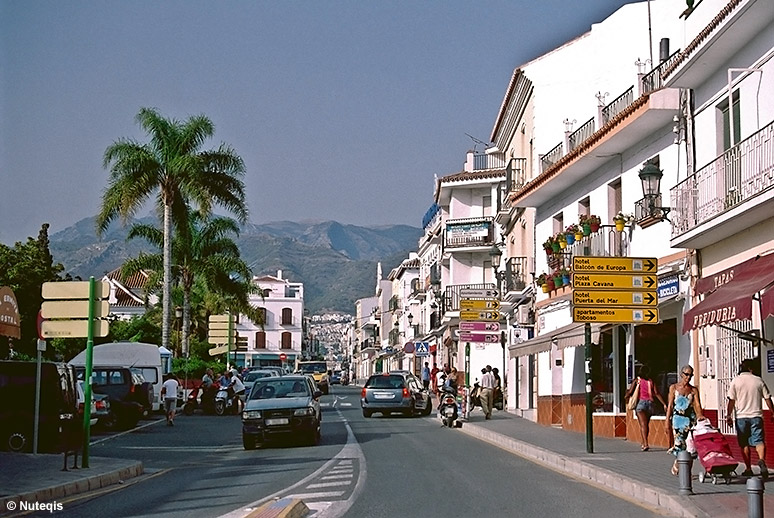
[(336, 262)]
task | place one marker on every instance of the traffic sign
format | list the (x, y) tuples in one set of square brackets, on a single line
[(218, 350), (72, 328), (421, 349), (219, 325), (480, 315), (615, 315), (614, 264), (475, 293), (609, 281), (74, 290), (488, 338), (480, 304), (479, 326), (222, 318), (73, 309), (614, 298)]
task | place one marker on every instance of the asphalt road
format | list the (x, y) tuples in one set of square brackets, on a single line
[(377, 467)]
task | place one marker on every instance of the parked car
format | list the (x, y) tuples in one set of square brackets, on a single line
[(58, 415), (389, 392), (281, 406), (82, 404), (131, 397), (250, 377)]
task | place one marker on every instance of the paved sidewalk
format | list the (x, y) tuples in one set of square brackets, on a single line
[(616, 465), (27, 479)]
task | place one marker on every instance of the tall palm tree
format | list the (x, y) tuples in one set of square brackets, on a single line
[(172, 166)]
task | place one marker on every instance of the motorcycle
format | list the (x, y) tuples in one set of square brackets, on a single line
[(475, 397), (447, 408), (226, 402), (201, 398)]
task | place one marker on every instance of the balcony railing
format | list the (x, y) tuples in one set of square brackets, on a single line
[(618, 105), (577, 137), (515, 179), (736, 176), (470, 232), (551, 157), (483, 161), (451, 296), (516, 274), (654, 80)]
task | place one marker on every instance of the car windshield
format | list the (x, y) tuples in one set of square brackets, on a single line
[(279, 388), (386, 382), (253, 376), (312, 368)]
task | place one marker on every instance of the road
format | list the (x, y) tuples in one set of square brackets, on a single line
[(378, 467)]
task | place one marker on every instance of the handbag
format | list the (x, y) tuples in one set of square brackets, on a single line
[(631, 404)]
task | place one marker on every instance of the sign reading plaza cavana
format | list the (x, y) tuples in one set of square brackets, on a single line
[(614, 290)]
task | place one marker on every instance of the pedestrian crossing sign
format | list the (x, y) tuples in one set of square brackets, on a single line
[(422, 349)]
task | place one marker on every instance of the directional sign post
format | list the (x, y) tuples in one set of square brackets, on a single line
[(613, 281), (614, 264), (221, 331), (479, 304), (615, 315), (478, 293), (492, 316), (613, 298), (480, 326), (489, 338)]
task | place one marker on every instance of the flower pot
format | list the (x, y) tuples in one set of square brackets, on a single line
[(579, 235), (566, 280), (550, 284), (556, 247), (594, 227), (558, 281), (562, 244), (549, 250), (619, 225), (586, 229), (545, 288), (570, 238)]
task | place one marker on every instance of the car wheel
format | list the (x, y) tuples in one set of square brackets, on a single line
[(313, 439), (366, 413), (220, 407), (109, 422), (248, 441), (188, 409), (428, 409)]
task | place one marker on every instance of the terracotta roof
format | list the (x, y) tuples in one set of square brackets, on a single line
[(579, 151), (129, 292), (138, 280), (473, 175), (703, 35)]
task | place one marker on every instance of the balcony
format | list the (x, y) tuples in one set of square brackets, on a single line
[(517, 275), (451, 296), (484, 161), (726, 196), (515, 178), (469, 232)]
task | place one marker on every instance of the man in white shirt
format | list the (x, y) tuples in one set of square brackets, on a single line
[(488, 383), (745, 395), (169, 395), (237, 388)]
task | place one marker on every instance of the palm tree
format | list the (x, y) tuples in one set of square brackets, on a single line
[(173, 167)]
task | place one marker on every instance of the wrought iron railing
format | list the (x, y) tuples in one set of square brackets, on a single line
[(738, 175), (483, 161), (552, 157), (617, 105), (451, 296), (516, 274), (577, 137), (515, 179), (654, 79), (470, 232)]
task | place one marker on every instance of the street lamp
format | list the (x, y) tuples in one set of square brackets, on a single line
[(649, 209), (495, 255)]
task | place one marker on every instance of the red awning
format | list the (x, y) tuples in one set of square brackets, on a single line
[(733, 300)]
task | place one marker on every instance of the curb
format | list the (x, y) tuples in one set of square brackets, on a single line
[(282, 508), (81, 485), (638, 491)]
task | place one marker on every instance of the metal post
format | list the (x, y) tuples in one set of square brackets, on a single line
[(467, 364), (36, 424), (755, 490), (87, 377), (589, 409), (684, 467)]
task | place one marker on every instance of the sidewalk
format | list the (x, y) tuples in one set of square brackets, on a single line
[(39, 478), (616, 465)]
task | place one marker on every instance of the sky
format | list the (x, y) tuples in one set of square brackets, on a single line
[(341, 110)]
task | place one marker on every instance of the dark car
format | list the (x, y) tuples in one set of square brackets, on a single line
[(335, 378), (389, 392), (131, 397), (58, 406), (283, 406)]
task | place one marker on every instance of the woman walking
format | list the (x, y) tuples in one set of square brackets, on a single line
[(683, 410), (644, 409)]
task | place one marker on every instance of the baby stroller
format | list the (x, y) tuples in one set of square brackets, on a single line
[(714, 453)]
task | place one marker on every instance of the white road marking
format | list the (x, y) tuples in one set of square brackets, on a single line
[(309, 496), (337, 476), (126, 432), (320, 485)]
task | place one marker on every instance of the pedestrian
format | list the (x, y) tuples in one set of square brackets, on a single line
[(434, 377), (169, 394), (744, 397), (426, 376), (683, 410), (488, 384), (497, 398), (451, 380), (440, 377), (644, 409), (236, 389)]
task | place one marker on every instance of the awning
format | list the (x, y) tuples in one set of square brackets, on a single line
[(732, 301), (572, 335)]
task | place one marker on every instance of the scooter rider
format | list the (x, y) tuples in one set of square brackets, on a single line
[(208, 388), (236, 389)]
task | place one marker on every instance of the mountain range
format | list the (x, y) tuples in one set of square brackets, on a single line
[(336, 262)]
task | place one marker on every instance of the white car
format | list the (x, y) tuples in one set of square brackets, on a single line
[(250, 377), (82, 399)]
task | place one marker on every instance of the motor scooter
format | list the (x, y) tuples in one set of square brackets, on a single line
[(201, 398), (226, 402), (447, 407)]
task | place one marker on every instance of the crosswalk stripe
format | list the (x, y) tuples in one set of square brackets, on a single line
[(328, 484), (336, 475), (321, 494)]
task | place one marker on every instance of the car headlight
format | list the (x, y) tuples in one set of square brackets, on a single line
[(251, 414), (304, 411)]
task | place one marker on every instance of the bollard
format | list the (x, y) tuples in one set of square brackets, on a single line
[(754, 497), (684, 466)]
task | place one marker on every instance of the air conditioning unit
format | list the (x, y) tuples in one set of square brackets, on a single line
[(526, 315)]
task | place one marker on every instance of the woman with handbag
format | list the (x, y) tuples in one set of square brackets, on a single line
[(640, 397)]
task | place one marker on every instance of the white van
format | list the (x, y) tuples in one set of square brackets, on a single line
[(143, 358)]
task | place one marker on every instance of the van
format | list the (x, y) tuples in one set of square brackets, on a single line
[(142, 358), (58, 405)]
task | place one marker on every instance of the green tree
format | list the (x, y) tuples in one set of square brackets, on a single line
[(173, 167), (24, 268)]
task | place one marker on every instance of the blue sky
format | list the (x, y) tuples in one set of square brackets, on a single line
[(342, 110)]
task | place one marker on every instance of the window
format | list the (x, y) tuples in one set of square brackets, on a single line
[(723, 115), (614, 202), (558, 225), (287, 316), (287, 340), (260, 340), (262, 316), (584, 207)]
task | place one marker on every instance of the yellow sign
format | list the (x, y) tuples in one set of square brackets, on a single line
[(614, 298), (480, 315), (73, 309), (613, 315), (72, 328), (479, 304), (612, 281), (614, 264)]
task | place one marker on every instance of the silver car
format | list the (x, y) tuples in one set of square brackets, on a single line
[(390, 392)]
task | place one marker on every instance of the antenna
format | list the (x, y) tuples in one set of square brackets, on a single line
[(477, 141)]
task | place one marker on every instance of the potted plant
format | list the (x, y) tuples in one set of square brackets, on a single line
[(590, 223), (565, 275), (621, 220), (542, 281), (572, 232), (558, 281), (561, 238), (548, 246)]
